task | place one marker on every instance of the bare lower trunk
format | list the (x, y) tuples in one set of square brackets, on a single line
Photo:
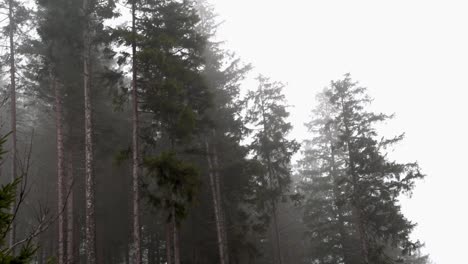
[(168, 243), (60, 169), (13, 111), (90, 235), (216, 205), (175, 231), (223, 221), (135, 149), (277, 234), (70, 237)]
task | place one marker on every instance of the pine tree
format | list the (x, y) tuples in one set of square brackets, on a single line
[(271, 148)]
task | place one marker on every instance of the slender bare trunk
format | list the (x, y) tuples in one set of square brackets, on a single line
[(175, 232), (135, 174), (216, 201), (60, 167), (168, 243), (223, 221), (90, 239), (13, 110), (70, 236)]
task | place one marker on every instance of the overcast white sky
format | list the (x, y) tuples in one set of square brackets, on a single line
[(413, 57)]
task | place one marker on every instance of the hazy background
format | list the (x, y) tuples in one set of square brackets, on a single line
[(412, 55)]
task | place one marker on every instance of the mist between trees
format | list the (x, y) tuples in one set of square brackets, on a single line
[(127, 137)]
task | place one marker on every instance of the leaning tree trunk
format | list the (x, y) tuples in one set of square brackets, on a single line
[(60, 167), (90, 236), (135, 173), (70, 236), (13, 110), (216, 203)]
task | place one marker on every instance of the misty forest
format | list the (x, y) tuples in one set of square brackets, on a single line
[(128, 135)]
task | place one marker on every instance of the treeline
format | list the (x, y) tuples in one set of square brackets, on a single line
[(128, 139)]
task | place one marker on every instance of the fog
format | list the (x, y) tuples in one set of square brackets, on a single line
[(233, 132)]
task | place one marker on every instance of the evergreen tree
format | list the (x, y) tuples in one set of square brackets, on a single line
[(59, 65), (271, 149), (354, 178), (326, 215), (7, 200), (223, 73), (172, 92)]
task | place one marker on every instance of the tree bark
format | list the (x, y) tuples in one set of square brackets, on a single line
[(60, 167), (70, 235), (216, 202), (90, 236), (135, 149), (13, 110)]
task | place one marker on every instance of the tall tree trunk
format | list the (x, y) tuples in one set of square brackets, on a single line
[(60, 168), (135, 149), (169, 243), (13, 110), (90, 239), (70, 236), (175, 232), (216, 201), (220, 202)]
